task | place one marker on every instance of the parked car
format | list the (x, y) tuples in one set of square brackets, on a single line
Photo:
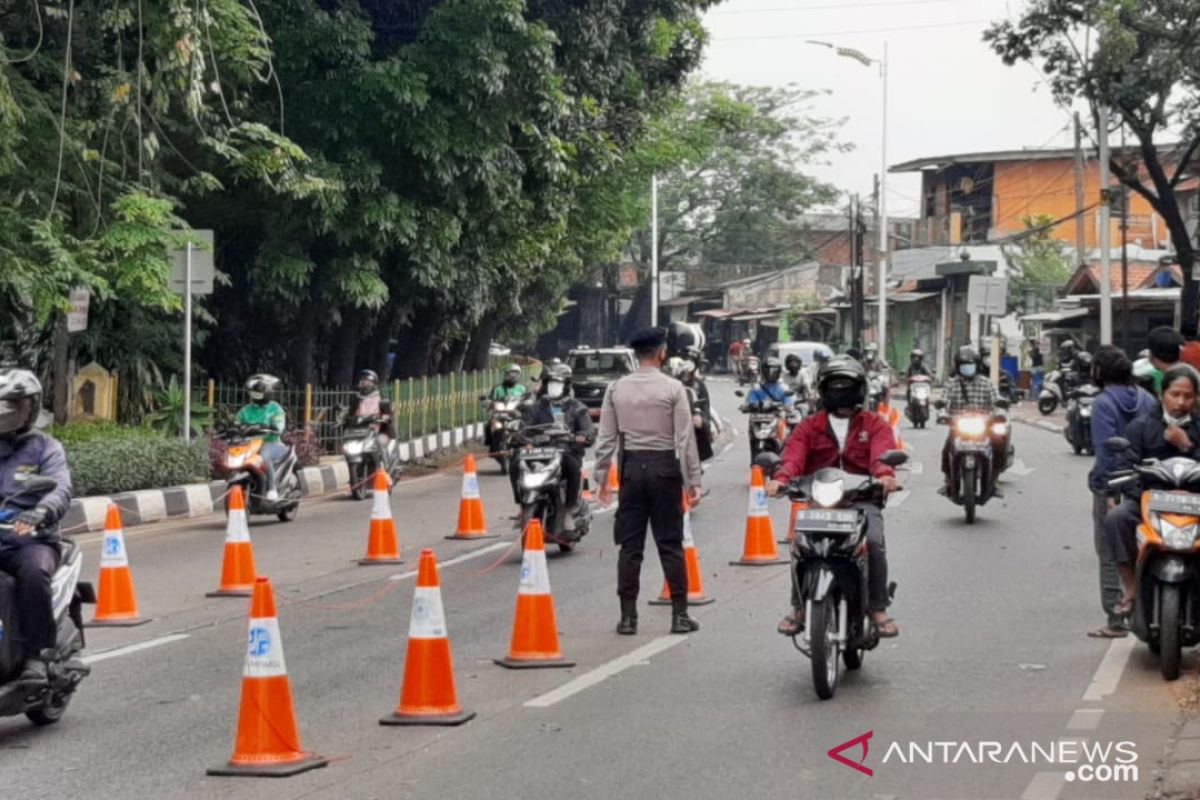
[(595, 369), (806, 350)]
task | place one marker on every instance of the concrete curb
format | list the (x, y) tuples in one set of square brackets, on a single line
[(1044, 424), (197, 499)]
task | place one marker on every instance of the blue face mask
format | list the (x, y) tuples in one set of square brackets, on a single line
[(967, 370)]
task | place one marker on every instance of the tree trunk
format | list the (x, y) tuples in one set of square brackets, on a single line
[(481, 341), (416, 341), (344, 347), (300, 352), (61, 367), (453, 361)]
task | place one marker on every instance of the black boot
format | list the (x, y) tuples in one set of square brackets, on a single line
[(680, 621), (36, 672), (628, 624)]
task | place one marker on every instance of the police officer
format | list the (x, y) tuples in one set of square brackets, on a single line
[(648, 415)]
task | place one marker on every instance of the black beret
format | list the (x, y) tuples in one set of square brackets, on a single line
[(649, 337)]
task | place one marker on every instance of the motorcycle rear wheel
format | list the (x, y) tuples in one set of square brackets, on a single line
[(826, 667), (1170, 649), (50, 713)]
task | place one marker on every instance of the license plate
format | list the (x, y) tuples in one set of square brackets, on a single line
[(833, 520), (539, 454), (1172, 503)]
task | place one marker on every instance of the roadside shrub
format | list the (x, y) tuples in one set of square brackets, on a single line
[(108, 466), (81, 431)]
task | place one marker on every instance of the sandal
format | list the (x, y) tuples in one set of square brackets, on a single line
[(887, 628), (792, 624), (1108, 632)]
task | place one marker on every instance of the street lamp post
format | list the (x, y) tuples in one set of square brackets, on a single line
[(860, 57), (653, 251)]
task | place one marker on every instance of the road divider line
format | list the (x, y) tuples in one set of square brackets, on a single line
[(606, 671), (133, 648), (1108, 674), (491, 548)]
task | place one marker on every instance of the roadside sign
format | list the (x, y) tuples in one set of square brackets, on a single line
[(77, 317), (986, 295), (202, 264)]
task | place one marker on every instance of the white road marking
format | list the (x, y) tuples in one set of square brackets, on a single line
[(916, 468), (896, 500), (1085, 719), (133, 648), (605, 671), (1044, 786), (1108, 674), (1019, 469), (491, 548)]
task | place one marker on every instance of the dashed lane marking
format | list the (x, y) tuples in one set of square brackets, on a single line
[(116, 652), (605, 671)]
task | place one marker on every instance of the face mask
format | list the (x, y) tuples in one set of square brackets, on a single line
[(510, 382), (554, 390), (967, 370)]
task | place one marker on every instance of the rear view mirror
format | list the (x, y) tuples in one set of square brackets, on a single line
[(894, 458), (1118, 444), (38, 486), (768, 462)]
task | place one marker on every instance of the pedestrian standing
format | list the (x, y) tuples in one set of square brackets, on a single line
[(646, 426), (1037, 365), (1115, 407)]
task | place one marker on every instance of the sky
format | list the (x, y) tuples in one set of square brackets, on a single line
[(947, 91)]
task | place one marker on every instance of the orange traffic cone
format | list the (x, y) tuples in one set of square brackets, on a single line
[(471, 524), (268, 742), (614, 480), (535, 630), (237, 570), (428, 695), (696, 596), (791, 529), (759, 549), (382, 546), (116, 603)]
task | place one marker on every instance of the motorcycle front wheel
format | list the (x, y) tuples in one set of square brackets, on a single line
[(358, 481), (51, 712), (826, 666), (968, 494), (1170, 652), (1046, 405)]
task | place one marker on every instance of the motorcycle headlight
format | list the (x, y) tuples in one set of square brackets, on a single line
[(1085, 411), (971, 426), (828, 494), (352, 448), (235, 461), (1000, 428), (534, 480), (1178, 537)]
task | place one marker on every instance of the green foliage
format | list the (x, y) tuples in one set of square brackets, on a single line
[(1040, 266), (87, 431), (168, 415), (108, 466)]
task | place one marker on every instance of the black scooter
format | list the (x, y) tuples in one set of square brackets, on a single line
[(542, 484), (973, 464), (1078, 428), (365, 455), (43, 705)]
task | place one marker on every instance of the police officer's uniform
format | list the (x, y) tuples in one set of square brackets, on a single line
[(646, 424)]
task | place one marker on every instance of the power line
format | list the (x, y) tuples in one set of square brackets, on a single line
[(838, 7), (812, 34)]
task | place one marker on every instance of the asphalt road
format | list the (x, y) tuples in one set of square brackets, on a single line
[(992, 649)]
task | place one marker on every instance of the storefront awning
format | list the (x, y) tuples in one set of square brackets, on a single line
[(1056, 316)]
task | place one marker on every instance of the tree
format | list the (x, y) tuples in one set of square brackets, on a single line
[(1040, 266), (1142, 60)]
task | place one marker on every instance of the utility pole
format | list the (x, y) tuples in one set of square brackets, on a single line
[(856, 231), (1080, 230), (881, 292), (1105, 232), (653, 251), (1124, 254)]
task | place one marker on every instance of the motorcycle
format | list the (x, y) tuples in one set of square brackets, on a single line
[(247, 469), (1078, 430), (920, 391), (830, 546), (750, 371), (768, 422), (496, 431), (1167, 572), (973, 465), (1055, 388), (543, 486), (43, 705), (876, 388), (365, 456)]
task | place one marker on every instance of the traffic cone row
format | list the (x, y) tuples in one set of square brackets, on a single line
[(759, 548), (695, 578)]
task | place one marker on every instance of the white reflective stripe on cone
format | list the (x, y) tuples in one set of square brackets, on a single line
[(237, 530), (470, 486), (264, 649), (381, 509), (535, 577), (688, 541), (758, 501), (428, 620), (113, 553)]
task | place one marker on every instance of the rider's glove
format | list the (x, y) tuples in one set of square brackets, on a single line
[(34, 517)]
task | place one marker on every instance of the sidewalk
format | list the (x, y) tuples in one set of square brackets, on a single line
[(1179, 771), (1027, 413)]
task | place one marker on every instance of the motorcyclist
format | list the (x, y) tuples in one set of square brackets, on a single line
[(967, 390), (372, 404), (264, 412), (556, 405), (845, 436), (871, 360), (794, 377), (684, 370), (30, 553), (916, 366), (510, 386), (771, 386)]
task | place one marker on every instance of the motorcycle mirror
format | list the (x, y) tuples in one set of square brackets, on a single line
[(38, 486), (1118, 444), (768, 462), (1001, 402), (738, 393), (894, 458)]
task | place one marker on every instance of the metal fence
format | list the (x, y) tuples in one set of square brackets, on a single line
[(420, 405)]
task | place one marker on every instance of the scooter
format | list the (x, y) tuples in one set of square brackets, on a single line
[(43, 705), (750, 371), (542, 484), (365, 455), (831, 567), (768, 423), (247, 469), (973, 467), (1078, 429), (876, 388), (1166, 608), (920, 391), (1055, 388), (496, 431)]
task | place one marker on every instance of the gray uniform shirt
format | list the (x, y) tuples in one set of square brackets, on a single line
[(652, 410)]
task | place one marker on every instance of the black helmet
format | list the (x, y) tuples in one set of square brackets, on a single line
[(680, 338), (772, 369), (842, 383), (966, 355), (1083, 361), (791, 361), (917, 354), (556, 374), (261, 387), (368, 381), (20, 401)]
